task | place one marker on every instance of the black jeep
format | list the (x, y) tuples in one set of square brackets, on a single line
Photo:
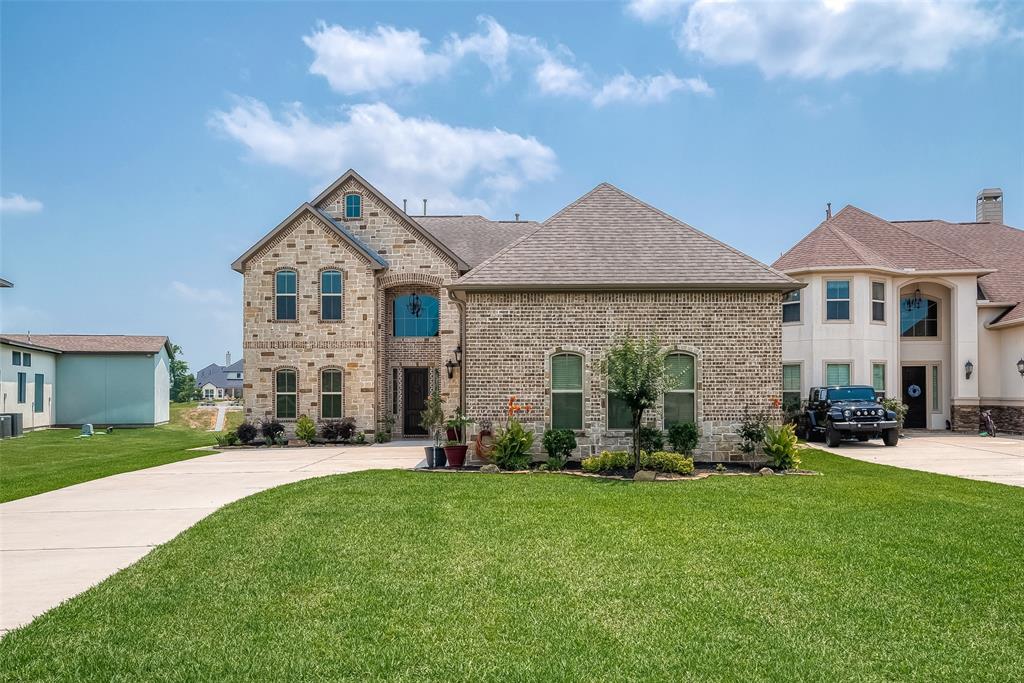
[(836, 413)]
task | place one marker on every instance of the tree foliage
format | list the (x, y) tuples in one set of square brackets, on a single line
[(183, 383)]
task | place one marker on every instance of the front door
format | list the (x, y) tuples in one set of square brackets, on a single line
[(915, 396), (414, 400)]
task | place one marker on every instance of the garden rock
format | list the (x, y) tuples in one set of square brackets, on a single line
[(645, 475), (766, 471), (490, 468)]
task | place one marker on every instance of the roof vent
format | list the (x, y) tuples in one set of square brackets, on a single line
[(424, 207), (517, 217), (989, 208), (828, 211), (405, 206)]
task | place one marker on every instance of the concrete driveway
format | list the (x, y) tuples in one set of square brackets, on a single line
[(55, 545), (999, 459)]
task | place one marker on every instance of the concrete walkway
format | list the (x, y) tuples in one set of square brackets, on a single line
[(55, 545), (222, 413), (999, 459)]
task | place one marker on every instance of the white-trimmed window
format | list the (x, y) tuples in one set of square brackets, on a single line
[(791, 307), (837, 374), (330, 295), (837, 300), (878, 379), (331, 394), (791, 394), (878, 302), (681, 402), (567, 391), (285, 405), (15, 357), (285, 297), (919, 317), (353, 205)]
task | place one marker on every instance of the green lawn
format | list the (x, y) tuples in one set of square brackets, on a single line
[(53, 458), (867, 573)]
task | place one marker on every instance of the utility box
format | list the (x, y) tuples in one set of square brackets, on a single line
[(15, 425), (5, 426)]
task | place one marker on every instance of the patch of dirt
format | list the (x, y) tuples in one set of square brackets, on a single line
[(200, 418)]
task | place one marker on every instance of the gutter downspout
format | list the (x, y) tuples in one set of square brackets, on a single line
[(461, 305)]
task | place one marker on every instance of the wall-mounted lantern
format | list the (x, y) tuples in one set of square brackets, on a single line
[(1020, 367), (968, 369), (450, 365)]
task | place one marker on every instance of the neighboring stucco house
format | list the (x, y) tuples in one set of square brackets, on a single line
[(928, 310), (120, 380), (221, 381), (27, 373), (354, 308)]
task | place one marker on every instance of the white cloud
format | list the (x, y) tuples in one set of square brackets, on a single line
[(199, 295), (833, 38), (457, 168), (651, 10), (555, 77), (16, 203), (629, 88), (492, 46)]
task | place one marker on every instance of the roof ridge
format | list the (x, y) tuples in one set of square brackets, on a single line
[(915, 235), (861, 248)]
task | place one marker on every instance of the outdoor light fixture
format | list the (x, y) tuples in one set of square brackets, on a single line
[(415, 306), (914, 302), (1020, 367), (969, 369), (458, 354), (450, 366)]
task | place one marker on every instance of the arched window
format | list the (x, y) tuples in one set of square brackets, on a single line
[(353, 206), (417, 315), (919, 317), (285, 394), (330, 295), (680, 403), (567, 391), (284, 295), (331, 407)]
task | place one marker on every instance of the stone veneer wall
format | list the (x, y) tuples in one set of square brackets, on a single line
[(735, 336), (1008, 419)]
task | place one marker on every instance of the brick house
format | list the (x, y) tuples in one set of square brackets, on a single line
[(352, 307)]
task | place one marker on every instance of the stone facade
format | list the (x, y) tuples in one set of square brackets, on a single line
[(735, 338)]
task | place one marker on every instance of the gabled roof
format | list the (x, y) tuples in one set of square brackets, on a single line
[(610, 240), (95, 343), (10, 339), (375, 260), (5, 283), (475, 238), (217, 375)]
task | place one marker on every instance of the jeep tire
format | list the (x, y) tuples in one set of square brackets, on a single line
[(832, 436), (891, 436)]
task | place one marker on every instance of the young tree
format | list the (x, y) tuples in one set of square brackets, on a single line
[(638, 375), (183, 384)]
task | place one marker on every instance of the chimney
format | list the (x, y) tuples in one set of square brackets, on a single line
[(989, 208), (424, 207), (227, 358), (405, 206), (828, 211)]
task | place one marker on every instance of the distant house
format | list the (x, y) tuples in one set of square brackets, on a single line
[(221, 381), (100, 379)]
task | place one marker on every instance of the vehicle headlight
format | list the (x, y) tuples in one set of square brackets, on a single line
[(879, 412), (846, 413)]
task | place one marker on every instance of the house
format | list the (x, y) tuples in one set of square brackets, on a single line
[(119, 380), (221, 381), (354, 308), (927, 310), (27, 374)]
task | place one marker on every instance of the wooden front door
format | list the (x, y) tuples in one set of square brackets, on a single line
[(915, 395), (415, 388)]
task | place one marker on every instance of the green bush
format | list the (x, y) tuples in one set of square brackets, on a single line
[(382, 437), (359, 438), (227, 439), (512, 446), (665, 461), (305, 429), (684, 437), (752, 430), (559, 443), (896, 405), (608, 461), (247, 432), (780, 445), (651, 439)]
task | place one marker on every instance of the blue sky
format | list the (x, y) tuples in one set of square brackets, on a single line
[(146, 146)]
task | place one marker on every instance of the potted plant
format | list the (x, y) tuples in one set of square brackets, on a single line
[(455, 448), (432, 419)]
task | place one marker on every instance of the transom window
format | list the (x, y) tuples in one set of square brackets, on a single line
[(837, 300), (284, 394), (791, 388), (791, 307), (353, 206), (285, 295), (878, 301), (837, 374), (330, 295), (330, 394), (567, 391), (680, 402), (417, 315), (878, 379), (919, 317)]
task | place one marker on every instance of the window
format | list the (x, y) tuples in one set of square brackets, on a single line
[(567, 391), (837, 374), (619, 414), (330, 295), (353, 206), (15, 357), (22, 379), (936, 402), (26, 359), (837, 300), (284, 394), (330, 395), (284, 290), (791, 388), (208, 393), (37, 404), (791, 307), (878, 301), (417, 316), (878, 379), (919, 317), (680, 402)]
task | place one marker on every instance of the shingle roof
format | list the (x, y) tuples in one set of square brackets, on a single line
[(608, 239), (474, 238), (217, 375), (10, 339), (96, 343)]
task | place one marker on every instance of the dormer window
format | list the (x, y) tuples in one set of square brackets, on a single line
[(353, 206)]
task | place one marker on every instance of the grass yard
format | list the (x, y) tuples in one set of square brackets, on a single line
[(867, 573), (53, 458)]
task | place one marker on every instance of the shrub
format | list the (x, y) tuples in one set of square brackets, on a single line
[(684, 437), (247, 432), (227, 439), (780, 445), (512, 446), (651, 439), (559, 443), (664, 461), (305, 429), (381, 437), (897, 406), (359, 438), (752, 430), (608, 461), (271, 428), (337, 430)]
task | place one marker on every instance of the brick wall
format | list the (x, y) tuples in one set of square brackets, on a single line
[(735, 337)]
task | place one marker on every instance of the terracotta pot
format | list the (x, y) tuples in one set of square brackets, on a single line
[(456, 455)]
